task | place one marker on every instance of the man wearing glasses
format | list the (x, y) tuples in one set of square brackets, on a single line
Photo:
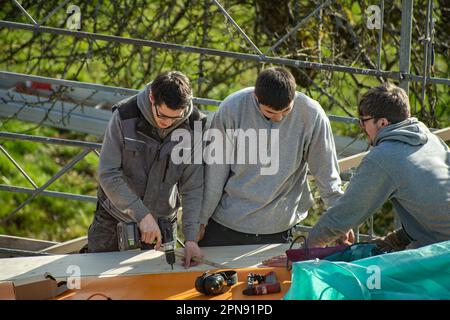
[(241, 204), (408, 165), (139, 182)]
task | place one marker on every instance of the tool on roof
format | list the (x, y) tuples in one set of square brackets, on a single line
[(262, 284), (168, 242), (129, 237), (216, 283)]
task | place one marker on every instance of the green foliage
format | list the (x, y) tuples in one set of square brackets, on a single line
[(45, 217)]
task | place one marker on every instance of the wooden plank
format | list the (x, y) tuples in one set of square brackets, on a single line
[(444, 133), (7, 290), (13, 253), (352, 161), (168, 286), (111, 264), (71, 246), (11, 242)]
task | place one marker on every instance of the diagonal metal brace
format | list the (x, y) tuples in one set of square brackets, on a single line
[(25, 12), (302, 22), (38, 191), (22, 171), (237, 27)]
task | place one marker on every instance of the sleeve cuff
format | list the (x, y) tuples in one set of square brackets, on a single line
[(190, 232), (204, 221), (139, 210)]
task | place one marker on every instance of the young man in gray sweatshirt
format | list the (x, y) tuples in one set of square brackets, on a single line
[(259, 200), (139, 182), (408, 165)]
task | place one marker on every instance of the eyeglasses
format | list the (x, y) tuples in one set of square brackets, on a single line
[(361, 121), (164, 117), (269, 112)]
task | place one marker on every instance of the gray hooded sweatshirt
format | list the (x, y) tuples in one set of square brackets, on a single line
[(240, 197), (120, 189), (408, 165)]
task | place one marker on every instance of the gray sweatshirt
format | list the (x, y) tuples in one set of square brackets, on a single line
[(410, 166), (239, 197)]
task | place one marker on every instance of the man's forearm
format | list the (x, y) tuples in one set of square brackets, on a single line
[(123, 199), (321, 236), (323, 164)]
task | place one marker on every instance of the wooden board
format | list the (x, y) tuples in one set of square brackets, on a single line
[(71, 246), (21, 243), (444, 133), (111, 264), (167, 286), (173, 286)]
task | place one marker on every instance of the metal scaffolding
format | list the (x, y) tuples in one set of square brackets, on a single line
[(403, 75)]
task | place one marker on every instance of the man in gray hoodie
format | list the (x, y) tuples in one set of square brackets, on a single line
[(408, 165), (139, 182), (259, 200)]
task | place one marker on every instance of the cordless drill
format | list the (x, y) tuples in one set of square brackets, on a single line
[(168, 242), (129, 237)]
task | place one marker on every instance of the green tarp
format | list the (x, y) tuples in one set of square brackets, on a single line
[(422, 273)]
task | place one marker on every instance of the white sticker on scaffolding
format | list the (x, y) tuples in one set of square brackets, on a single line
[(373, 13), (74, 19), (74, 280)]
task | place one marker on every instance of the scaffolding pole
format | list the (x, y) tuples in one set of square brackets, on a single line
[(405, 43), (226, 54)]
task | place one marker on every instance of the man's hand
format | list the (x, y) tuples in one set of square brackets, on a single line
[(347, 239), (278, 261), (150, 231), (201, 232), (191, 250), (397, 240)]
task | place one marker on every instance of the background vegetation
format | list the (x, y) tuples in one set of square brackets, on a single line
[(339, 35)]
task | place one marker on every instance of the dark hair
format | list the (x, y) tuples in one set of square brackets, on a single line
[(385, 101), (172, 88), (275, 87)]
